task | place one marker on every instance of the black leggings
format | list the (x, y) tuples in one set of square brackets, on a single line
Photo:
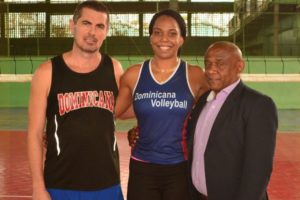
[(157, 182)]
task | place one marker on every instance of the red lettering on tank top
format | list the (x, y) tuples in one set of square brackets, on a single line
[(71, 101)]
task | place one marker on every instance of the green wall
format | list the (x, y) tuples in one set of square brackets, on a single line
[(285, 95), (14, 94)]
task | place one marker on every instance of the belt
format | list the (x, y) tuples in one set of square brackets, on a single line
[(203, 197)]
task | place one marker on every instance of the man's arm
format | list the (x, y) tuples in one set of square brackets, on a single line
[(260, 137), (118, 69), (37, 116)]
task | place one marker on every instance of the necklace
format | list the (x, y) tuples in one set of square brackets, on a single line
[(163, 69)]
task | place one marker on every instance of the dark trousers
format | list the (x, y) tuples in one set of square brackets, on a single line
[(202, 197), (157, 182)]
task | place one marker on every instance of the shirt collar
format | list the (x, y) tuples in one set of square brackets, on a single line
[(212, 95)]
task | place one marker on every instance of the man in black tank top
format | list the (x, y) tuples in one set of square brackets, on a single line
[(74, 95)]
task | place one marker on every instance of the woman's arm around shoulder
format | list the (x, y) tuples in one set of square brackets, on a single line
[(197, 80)]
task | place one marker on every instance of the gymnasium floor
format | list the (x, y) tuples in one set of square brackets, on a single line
[(15, 181)]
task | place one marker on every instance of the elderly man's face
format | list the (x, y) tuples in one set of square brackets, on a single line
[(222, 68)]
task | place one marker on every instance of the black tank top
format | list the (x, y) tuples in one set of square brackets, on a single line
[(82, 152)]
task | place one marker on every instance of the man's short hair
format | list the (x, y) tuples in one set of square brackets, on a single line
[(91, 4)]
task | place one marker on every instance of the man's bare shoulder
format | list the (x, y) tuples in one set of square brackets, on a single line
[(116, 62), (117, 68), (42, 76), (44, 69)]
